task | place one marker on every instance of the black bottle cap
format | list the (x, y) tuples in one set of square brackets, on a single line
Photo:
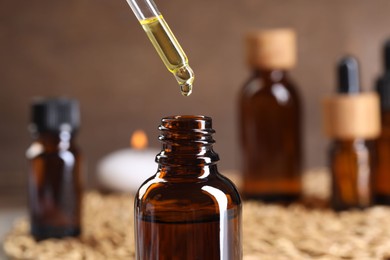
[(55, 115), (348, 76), (383, 83)]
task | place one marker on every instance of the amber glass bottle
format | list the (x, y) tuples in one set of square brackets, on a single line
[(270, 120), (188, 210), (382, 180), (54, 179), (352, 121), (352, 167)]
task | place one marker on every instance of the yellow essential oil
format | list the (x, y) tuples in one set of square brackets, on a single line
[(170, 51)]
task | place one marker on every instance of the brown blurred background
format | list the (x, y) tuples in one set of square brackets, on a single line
[(95, 51)]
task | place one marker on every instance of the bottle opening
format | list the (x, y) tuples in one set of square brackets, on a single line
[(187, 122), (186, 140)]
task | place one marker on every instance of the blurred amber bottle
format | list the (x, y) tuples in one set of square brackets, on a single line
[(382, 180), (54, 180), (188, 210), (351, 119), (270, 119)]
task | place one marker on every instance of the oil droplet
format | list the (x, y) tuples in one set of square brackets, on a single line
[(186, 89), (185, 77)]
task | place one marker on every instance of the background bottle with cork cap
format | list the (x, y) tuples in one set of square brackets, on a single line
[(382, 179), (352, 121), (270, 119)]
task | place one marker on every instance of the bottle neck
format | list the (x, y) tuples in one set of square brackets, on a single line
[(187, 146), (385, 121), (385, 116), (197, 171), (350, 144), (272, 76), (62, 140)]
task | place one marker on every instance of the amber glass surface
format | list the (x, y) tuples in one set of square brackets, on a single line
[(187, 210), (382, 179), (352, 166), (55, 186), (270, 129)]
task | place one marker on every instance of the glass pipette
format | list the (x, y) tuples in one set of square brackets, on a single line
[(164, 42)]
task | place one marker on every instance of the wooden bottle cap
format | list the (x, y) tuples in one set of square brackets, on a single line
[(352, 116), (271, 49)]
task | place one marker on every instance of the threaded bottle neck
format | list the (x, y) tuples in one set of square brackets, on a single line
[(186, 141)]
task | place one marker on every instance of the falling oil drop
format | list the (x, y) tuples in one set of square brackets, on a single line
[(186, 89), (185, 77)]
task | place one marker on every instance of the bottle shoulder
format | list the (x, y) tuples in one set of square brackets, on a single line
[(197, 193), (385, 118), (282, 92), (355, 146), (39, 150)]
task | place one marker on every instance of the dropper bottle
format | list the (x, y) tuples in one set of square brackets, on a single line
[(165, 43), (382, 180), (351, 120)]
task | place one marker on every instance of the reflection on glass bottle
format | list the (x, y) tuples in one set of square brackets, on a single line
[(54, 179), (188, 210), (270, 119), (351, 119)]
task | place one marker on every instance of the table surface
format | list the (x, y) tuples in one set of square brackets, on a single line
[(14, 206), (7, 217)]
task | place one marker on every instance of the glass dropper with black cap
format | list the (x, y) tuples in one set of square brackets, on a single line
[(348, 76), (383, 82)]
